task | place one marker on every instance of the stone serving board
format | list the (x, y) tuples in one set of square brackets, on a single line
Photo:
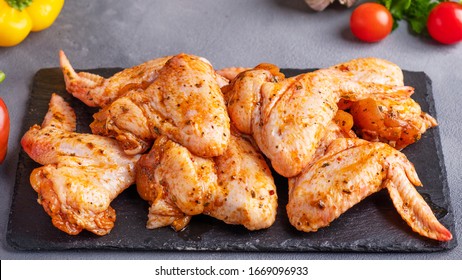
[(373, 225)]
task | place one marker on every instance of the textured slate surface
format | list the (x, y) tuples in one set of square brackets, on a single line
[(371, 226)]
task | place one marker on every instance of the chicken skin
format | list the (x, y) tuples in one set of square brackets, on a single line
[(351, 170), (96, 91), (246, 193), (82, 173), (184, 103), (289, 117), (236, 187), (393, 118), (177, 183)]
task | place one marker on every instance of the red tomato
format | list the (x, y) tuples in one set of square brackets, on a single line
[(371, 22), (4, 129), (445, 23)]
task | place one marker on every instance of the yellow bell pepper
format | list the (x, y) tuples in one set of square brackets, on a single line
[(19, 17)]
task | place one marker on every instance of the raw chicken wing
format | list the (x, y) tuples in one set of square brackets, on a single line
[(184, 103), (236, 187), (393, 118), (96, 91), (82, 173), (289, 117), (246, 193), (351, 170)]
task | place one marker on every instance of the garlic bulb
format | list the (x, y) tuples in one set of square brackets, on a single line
[(319, 5), (347, 3)]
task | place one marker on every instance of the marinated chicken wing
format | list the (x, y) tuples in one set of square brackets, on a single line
[(246, 193), (289, 117), (82, 173), (351, 170), (177, 183), (393, 118), (96, 91), (184, 103), (236, 187)]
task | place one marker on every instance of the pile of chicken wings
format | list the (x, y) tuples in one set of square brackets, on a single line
[(199, 141)]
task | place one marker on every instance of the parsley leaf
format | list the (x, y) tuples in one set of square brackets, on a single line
[(415, 12)]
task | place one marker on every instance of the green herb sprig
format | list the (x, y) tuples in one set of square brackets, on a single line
[(415, 12)]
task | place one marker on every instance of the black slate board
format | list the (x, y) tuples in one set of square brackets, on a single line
[(371, 226)]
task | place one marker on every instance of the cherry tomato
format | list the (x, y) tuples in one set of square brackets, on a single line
[(4, 129), (371, 22), (445, 22)]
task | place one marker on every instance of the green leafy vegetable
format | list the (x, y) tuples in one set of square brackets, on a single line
[(397, 9), (415, 12), (418, 14)]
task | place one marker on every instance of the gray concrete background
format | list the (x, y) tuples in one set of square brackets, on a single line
[(228, 33)]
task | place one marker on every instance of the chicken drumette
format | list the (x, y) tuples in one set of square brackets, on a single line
[(236, 187)]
